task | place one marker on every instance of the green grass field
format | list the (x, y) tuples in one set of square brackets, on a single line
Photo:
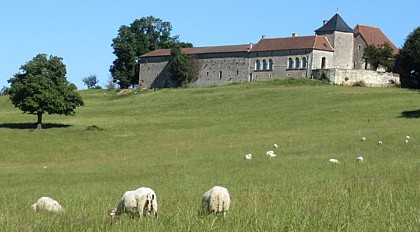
[(181, 142)]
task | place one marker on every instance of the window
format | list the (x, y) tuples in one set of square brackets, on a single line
[(270, 65), (304, 62), (323, 62), (297, 62), (257, 65), (220, 75), (290, 63), (264, 65)]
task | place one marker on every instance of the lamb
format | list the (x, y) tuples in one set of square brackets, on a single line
[(333, 161), (276, 145), (47, 204), (142, 201), (271, 154), (359, 159), (216, 200), (248, 156)]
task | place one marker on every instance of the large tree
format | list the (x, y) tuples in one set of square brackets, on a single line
[(179, 66), (408, 60), (379, 56), (140, 37), (41, 87)]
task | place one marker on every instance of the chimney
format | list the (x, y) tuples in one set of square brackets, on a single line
[(294, 34), (263, 36), (324, 22), (250, 47)]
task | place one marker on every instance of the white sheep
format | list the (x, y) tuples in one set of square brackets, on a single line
[(47, 204), (407, 137), (359, 159), (216, 200), (271, 154), (276, 145), (142, 201), (333, 161), (406, 141), (248, 156), (380, 142), (363, 139)]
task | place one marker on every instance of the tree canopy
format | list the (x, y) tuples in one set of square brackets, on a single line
[(408, 60), (91, 82), (140, 37), (379, 56), (179, 66), (41, 87)]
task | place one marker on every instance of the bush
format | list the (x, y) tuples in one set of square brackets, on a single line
[(359, 84)]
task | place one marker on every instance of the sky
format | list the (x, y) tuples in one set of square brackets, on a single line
[(81, 31)]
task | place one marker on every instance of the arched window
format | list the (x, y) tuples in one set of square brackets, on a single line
[(264, 64), (304, 62), (257, 65), (297, 62), (290, 63), (270, 65)]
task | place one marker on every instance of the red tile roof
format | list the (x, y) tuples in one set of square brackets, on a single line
[(373, 35), (293, 43), (202, 50), (276, 44)]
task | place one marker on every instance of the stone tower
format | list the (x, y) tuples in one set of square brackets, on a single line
[(341, 38)]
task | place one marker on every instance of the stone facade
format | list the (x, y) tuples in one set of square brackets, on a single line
[(369, 78), (336, 50)]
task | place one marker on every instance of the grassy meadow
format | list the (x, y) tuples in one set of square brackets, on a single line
[(181, 142)]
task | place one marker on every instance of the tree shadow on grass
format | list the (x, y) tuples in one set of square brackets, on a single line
[(410, 114), (32, 125)]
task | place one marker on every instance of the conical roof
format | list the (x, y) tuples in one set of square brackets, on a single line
[(336, 23)]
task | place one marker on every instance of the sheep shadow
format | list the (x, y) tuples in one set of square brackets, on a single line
[(410, 114), (24, 126)]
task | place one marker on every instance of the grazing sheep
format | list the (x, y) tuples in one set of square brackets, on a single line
[(216, 200), (406, 141), (380, 143), (248, 156), (276, 145), (333, 161), (142, 201), (47, 204), (407, 137), (359, 159), (363, 139), (271, 154)]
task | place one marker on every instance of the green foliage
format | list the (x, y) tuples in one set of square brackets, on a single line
[(379, 56), (91, 82), (142, 36), (41, 87), (408, 60), (4, 90), (183, 141), (179, 66)]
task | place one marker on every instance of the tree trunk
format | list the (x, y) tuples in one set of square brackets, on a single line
[(39, 122)]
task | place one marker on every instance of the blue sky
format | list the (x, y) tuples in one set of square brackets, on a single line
[(81, 31)]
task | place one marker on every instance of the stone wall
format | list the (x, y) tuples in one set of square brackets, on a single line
[(351, 77)]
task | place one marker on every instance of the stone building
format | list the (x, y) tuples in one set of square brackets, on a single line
[(335, 51)]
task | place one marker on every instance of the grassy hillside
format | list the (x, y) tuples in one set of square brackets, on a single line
[(181, 142)]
